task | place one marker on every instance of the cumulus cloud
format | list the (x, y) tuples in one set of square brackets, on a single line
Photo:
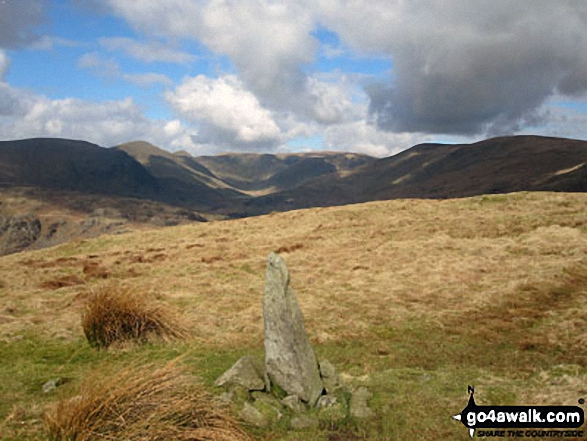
[(364, 137), (18, 21), (228, 111), (334, 99), (467, 67), (268, 42), (108, 123), (464, 68), (150, 52)]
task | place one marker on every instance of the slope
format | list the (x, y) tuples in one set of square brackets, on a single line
[(183, 180), (266, 173), (63, 164), (414, 299), (498, 165)]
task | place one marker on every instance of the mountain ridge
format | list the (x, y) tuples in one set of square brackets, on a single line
[(246, 184)]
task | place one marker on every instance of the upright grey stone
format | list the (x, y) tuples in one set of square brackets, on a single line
[(289, 358)]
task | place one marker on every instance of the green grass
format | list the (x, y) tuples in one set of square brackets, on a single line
[(414, 299), (417, 373)]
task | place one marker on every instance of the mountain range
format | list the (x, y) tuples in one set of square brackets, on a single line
[(237, 185)]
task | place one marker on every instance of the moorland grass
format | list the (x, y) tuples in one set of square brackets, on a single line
[(145, 403), (414, 299), (116, 313)]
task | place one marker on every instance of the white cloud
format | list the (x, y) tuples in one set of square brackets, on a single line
[(107, 123), (363, 137), (104, 67), (47, 42), (268, 42), (150, 52), (109, 68), (335, 99), (4, 64), (226, 107)]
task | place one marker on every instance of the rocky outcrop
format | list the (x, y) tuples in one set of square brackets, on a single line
[(18, 232), (289, 357)]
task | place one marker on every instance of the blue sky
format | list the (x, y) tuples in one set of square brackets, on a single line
[(256, 75)]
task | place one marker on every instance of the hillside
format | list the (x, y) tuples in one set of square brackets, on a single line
[(498, 165), (62, 164), (265, 173), (183, 181), (415, 299), (34, 218)]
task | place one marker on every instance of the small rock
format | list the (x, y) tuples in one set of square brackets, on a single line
[(51, 385), (329, 376), (247, 372), (236, 394), (359, 407), (267, 398), (331, 408), (293, 403), (303, 422), (269, 410), (326, 401), (252, 416)]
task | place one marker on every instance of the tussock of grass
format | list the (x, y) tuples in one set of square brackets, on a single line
[(142, 403), (116, 313)]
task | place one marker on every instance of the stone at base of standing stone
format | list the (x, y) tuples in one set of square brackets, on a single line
[(235, 395), (270, 409), (289, 357), (329, 376), (267, 398), (359, 407), (326, 401), (252, 416), (294, 404), (247, 372)]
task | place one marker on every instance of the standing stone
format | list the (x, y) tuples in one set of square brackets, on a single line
[(289, 358)]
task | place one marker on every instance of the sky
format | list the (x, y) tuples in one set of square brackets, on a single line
[(210, 76)]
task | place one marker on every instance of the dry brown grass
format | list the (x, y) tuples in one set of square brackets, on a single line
[(142, 403), (116, 313), (361, 266)]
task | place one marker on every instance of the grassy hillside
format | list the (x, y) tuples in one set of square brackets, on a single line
[(65, 215), (415, 299)]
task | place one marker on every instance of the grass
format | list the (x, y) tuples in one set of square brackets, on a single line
[(415, 299), (118, 314), (142, 402)]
